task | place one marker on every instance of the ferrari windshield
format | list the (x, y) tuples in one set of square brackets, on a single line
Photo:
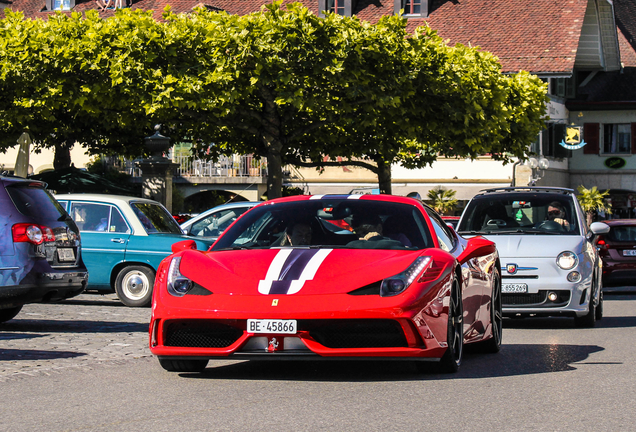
[(524, 213), (330, 223)]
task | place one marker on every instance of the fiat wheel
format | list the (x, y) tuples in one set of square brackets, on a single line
[(134, 285)]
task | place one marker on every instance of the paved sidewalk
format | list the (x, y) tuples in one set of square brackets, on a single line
[(84, 332)]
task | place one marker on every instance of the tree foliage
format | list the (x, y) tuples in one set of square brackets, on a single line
[(441, 199), (280, 83), (592, 201)]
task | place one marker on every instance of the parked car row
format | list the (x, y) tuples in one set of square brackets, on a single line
[(325, 276)]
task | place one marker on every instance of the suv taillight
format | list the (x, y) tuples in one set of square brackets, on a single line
[(31, 233)]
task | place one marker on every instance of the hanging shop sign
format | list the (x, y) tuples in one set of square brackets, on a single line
[(573, 139), (615, 162)]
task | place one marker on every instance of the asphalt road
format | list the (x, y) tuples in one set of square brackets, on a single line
[(84, 365)]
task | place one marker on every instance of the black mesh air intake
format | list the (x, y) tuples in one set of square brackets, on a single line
[(365, 333), (200, 334)]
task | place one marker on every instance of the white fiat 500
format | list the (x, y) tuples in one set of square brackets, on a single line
[(550, 266)]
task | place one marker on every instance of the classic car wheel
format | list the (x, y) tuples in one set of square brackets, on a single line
[(452, 358), (493, 345), (7, 314), (183, 365), (134, 285), (589, 319)]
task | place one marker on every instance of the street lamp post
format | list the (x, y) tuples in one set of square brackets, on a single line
[(157, 170)]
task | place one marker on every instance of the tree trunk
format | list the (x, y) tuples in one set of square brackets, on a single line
[(274, 174), (384, 176), (62, 158)]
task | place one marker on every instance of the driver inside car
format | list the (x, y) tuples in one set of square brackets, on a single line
[(556, 213)]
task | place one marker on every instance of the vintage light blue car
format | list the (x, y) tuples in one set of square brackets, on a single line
[(123, 241), (550, 266)]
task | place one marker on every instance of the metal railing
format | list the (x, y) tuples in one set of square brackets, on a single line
[(226, 166)]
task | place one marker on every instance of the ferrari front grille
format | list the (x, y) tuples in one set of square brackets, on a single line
[(363, 333), (200, 334)]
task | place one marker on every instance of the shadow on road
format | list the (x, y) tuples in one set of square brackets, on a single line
[(15, 354), (512, 360), (558, 323), (70, 326)]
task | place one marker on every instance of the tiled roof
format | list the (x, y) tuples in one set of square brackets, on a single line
[(540, 36), (628, 54), (625, 11)]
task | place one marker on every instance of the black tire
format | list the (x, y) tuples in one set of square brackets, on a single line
[(493, 345), (7, 314), (134, 285), (183, 365), (599, 306), (589, 319), (452, 358)]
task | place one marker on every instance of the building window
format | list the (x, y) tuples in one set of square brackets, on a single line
[(617, 138), (412, 8), (336, 6), (562, 87), (61, 4), (340, 7)]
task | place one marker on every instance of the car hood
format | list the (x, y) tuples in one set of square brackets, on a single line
[(292, 270), (536, 246)]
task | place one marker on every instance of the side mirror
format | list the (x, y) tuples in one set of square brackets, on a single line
[(599, 228), (476, 247), (184, 245)]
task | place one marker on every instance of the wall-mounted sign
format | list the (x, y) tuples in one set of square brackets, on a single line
[(573, 140), (615, 162)]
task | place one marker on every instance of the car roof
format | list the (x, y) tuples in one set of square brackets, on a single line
[(8, 179), (620, 222), (102, 198), (364, 197), (530, 189)]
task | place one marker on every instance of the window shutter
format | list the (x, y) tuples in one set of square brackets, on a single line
[(633, 138), (590, 135)]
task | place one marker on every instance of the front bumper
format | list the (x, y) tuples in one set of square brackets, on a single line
[(340, 326), (572, 297)]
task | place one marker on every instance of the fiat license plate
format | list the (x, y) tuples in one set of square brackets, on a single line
[(514, 288), (65, 254), (629, 252), (271, 326)]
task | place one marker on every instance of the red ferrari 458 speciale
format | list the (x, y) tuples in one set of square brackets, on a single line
[(329, 276)]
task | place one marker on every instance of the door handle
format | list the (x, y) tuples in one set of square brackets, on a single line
[(118, 240)]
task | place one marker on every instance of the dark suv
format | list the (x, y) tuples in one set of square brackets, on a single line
[(40, 259)]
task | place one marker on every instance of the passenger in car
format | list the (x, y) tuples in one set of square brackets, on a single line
[(368, 228), (297, 234)]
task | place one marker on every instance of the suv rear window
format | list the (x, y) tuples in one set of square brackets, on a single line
[(622, 233), (507, 213), (35, 202)]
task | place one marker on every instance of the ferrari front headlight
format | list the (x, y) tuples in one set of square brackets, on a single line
[(394, 285), (567, 260), (178, 285)]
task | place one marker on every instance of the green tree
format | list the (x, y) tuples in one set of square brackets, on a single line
[(280, 83), (592, 201), (67, 80), (441, 199)]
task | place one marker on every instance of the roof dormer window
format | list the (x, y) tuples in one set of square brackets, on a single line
[(412, 8), (59, 5), (340, 7)]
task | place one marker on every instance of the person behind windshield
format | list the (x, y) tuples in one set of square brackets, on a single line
[(299, 234), (556, 213), (368, 228)]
